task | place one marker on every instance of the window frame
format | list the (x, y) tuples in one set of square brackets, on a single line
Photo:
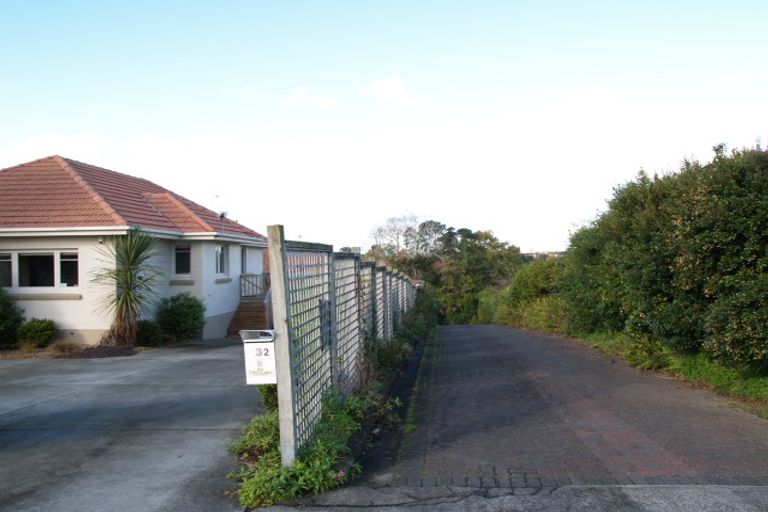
[(221, 260), (33, 254), (15, 260), (68, 256), (7, 257), (176, 251)]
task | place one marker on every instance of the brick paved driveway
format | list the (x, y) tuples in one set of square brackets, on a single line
[(500, 407)]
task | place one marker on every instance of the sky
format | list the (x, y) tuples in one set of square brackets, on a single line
[(519, 117)]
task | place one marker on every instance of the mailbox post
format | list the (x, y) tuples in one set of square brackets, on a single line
[(259, 347)]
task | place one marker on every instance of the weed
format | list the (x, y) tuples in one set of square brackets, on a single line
[(65, 347)]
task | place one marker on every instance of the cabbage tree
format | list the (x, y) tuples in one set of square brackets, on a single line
[(133, 278)]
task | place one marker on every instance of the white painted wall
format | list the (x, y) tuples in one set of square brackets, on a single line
[(84, 319), (81, 319)]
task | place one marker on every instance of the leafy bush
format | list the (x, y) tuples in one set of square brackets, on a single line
[(317, 468), (182, 316), (11, 318), (530, 301), (648, 354), (268, 394), (682, 259), (42, 332), (149, 334), (548, 314)]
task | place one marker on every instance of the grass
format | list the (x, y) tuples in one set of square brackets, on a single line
[(29, 350), (748, 387)]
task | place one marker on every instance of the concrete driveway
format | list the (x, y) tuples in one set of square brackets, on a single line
[(148, 432)]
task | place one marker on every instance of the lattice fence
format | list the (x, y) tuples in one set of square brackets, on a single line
[(326, 307)]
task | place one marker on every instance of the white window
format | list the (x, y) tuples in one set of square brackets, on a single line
[(40, 269), (183, 260), (68, 269), (222, 260), (5, 270)]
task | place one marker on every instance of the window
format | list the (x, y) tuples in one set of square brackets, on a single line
[(183, 259), (68, 269), (221, 259), (35, 269), (5, 270)]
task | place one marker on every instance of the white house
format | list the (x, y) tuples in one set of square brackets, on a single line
[(56, 215)]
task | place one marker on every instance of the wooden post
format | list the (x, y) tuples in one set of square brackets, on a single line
[(332, 327), (283, 348)]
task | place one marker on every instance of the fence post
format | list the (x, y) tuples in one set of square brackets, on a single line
[(333, 327), (283, 348)]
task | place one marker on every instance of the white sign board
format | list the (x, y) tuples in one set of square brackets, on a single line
[(260, 362)]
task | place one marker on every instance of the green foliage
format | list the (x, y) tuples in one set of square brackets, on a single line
[(648, 353), (459, 264), (681, 259), (318, 467), (130, 273), (149, 334), (268, 394), (530, 300), (41, 332), (261, 435), (182, 316), (11, 318), (321, 465), (475, 261), (736, 380)]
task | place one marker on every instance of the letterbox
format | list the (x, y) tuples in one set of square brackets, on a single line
[(259, 346)]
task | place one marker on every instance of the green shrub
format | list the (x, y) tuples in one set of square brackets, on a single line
[(681, 259), (11, 318), (149, 334), (42, 332), (182, 316), (648, 354), (548, 314), (316, 469), (268, 394)]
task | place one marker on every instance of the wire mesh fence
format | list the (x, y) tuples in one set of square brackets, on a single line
[(327, 307)]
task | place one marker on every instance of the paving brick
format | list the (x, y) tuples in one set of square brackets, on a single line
[(531, 411)]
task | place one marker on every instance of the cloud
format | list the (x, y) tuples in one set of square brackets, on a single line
[(302, 97), (391, 90)]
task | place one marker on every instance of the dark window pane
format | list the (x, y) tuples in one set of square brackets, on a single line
[(68, 270), (183, 260), (5, 270), (35, 269)]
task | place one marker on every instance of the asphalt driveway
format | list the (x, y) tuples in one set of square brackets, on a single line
[(146, 433)]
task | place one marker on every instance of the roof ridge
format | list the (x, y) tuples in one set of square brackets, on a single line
[(87, 187), (29, 163), (199, 220)]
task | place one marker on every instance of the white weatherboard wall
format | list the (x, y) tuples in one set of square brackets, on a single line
[(78, 311)]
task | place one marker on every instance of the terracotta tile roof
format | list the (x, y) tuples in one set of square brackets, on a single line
[(56, 192)]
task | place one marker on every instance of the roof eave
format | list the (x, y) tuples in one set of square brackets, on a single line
[(64, 231), (226, 237)]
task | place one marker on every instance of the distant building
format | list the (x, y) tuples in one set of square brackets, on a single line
[(531, 256)]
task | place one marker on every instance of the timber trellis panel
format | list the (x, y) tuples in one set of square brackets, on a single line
[(327, 307)]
